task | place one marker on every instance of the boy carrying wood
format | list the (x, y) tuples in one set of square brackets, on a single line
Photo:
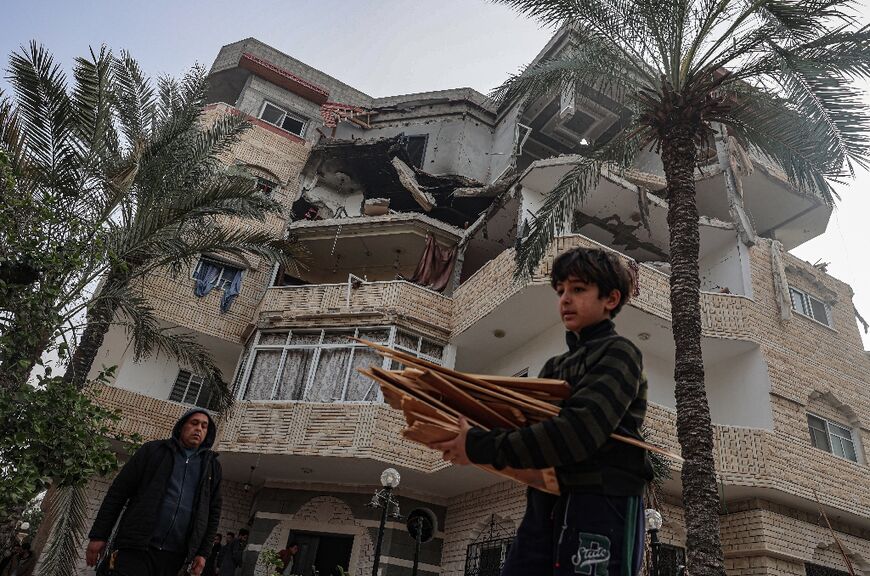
[(596, 526)]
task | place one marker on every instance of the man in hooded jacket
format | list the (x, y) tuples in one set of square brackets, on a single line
[(172, 492)]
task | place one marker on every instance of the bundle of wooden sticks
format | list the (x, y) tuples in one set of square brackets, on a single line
[(433, 398)]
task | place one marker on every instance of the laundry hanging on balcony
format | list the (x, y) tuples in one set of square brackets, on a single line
[(435, 267), (210, 275)]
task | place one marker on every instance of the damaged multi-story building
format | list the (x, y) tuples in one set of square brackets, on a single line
[(410, 208)]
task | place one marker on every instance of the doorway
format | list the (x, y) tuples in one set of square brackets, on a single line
[(320, 554)]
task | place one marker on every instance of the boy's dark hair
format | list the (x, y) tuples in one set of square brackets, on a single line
[(598, 267), (243, 531), (231, 534)]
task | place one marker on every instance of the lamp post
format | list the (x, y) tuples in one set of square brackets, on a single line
[(653, 525), (383, 499)]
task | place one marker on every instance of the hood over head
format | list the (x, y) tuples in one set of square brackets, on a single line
[(210, 436)]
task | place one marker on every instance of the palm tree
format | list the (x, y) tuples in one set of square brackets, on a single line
[(110, 180), (776, 75), (179, 201)]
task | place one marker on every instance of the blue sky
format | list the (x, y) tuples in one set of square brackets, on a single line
[(382, 47)]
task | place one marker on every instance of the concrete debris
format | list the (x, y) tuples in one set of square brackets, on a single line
[(409, 181), (728, 160), (376, 206), (780, 280)]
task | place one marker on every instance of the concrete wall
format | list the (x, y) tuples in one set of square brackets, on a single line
[(258, 91), (738, 390), (724, 268)]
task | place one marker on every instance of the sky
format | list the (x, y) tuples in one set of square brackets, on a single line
[(382, 47)]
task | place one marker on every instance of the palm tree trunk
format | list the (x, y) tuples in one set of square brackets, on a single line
[(99, 320), (694, 428)]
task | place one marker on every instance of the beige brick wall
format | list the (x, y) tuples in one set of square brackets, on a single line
[(423, 310), (270, 155)]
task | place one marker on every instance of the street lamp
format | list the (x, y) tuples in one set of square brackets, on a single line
[(653, 525), (383, 499)]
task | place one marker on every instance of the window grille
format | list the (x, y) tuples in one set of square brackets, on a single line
[(671, 561), (265, 186), (486, 555), (189, 389), (321, 365), (831, 437)]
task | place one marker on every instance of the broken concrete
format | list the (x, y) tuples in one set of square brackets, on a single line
[(381, 169), (728, 154), (780, 280), (409, 181)]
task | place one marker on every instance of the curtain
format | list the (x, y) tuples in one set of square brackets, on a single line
[(330, 375), (207, 277), (360, 387), (263, 375), (435, 267), (297, 364), (232, 291)]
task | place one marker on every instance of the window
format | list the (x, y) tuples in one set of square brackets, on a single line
[(831, 437), (321, 365), (188, 389), (282, 119), (266, 186), (486, 555), (810, 306), (416, 147), (226, 272), (671, 561), (817, 570)]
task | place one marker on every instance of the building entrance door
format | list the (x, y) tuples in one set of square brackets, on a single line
[(320, 554)]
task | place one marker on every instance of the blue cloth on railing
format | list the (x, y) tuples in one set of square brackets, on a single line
[(207, 277), (231, 291)]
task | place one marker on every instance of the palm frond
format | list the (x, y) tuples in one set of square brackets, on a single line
[(778, 131), (69, 509), (150, 338), (591, 66), (564, 200), (134, 99), (45, 117)]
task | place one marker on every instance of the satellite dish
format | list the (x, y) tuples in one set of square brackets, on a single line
[(424, 520)]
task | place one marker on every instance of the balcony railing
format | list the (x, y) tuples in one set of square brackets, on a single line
[(723, 315), (322, 302)]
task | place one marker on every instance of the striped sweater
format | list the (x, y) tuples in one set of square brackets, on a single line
[(609, 390)]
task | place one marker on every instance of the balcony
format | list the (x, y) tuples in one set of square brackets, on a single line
[(367, 302), (479, 302), (750, 461)]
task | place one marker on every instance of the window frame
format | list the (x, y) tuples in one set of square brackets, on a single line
[(191, 378), (284, 113), (829, 435), (249, 359), (224, 266), (806, 309)]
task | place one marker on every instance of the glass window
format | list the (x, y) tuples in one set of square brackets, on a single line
[(798, 302), (830, 437), (283, 119), (322, 365), (226, 272), (189, 389), (810, 306), (819, 310), (272, 114)]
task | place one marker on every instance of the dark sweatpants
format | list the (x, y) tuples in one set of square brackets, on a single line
[(589, 534), (151, 562)]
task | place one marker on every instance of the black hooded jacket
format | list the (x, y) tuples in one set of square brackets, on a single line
[(143, 483)]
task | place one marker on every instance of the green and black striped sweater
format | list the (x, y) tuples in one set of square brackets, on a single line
[(608, 395)]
